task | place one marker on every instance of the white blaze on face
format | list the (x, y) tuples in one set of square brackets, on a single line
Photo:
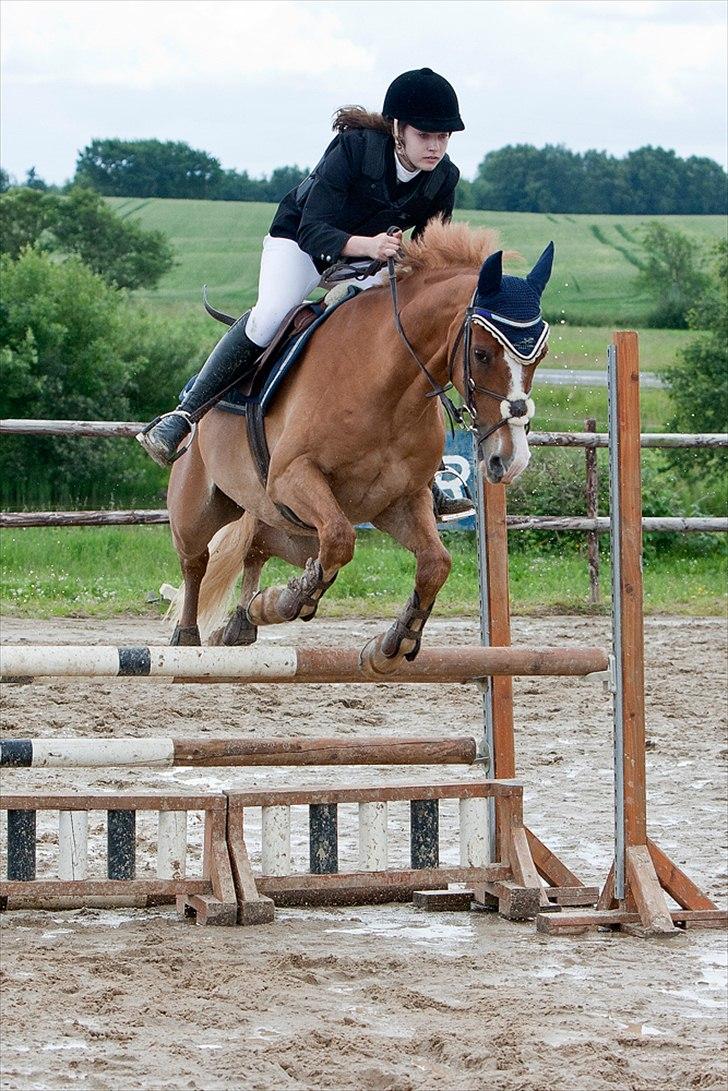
[(519, 440)]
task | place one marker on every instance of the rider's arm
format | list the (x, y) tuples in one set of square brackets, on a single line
[(332, 182)]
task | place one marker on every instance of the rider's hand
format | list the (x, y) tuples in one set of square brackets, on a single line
[(384, 246)]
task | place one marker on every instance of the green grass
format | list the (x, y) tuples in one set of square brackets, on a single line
[(108, 572), (219, 242)]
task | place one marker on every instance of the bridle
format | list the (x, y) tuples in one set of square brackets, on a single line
[(516, 412)]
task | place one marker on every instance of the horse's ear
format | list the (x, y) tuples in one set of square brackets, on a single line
[(491, 274), (539, 276)]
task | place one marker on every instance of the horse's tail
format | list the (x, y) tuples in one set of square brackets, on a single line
[(227, 553)]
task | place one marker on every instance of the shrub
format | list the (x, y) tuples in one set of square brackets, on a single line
[(73, 347), (670, 274)]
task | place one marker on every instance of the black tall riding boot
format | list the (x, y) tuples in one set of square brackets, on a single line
[(233, 356)]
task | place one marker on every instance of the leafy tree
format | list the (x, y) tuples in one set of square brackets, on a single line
[(119, 250), (282, 181), (523, 178), (147, 168), (670, 274), (5, 182), (72, 346), (25, 219), (698, 383), (33, 180), (82, 223)]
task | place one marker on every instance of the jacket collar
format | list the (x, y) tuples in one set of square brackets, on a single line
[(378, 145)]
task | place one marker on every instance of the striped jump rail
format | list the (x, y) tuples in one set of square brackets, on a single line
[(78, 753), (511, 885), (275, 663), (210, 898)]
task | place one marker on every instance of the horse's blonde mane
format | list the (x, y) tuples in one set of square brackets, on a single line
[(446, 246)]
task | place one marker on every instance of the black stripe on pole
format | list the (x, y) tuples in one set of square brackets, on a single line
[(121, 844), (21, 845), (17, 752), (323, 838), (424, 833), (134, 661)]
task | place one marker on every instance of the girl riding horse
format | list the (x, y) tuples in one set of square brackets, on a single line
[(380, 170)]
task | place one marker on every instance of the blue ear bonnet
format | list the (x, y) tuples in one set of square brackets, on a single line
[(510, 307)]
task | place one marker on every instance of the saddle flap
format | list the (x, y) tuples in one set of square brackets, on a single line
[(298, 319)]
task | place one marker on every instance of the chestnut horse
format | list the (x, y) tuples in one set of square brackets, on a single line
[(354, 438)]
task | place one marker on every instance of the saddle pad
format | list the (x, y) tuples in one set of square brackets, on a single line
[(237, 402)]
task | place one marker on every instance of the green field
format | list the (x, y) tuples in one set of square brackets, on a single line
[(218, 243), (110, 571)]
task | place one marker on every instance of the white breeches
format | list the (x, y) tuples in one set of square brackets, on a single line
[(287, 277)]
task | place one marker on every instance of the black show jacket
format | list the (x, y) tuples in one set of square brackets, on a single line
[(353, 191)]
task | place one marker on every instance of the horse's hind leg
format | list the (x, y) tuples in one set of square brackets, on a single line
[(304, 488), (265, 542), (412, 523), (197, 510)]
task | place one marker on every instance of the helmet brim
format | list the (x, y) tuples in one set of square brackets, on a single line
[(435, 124)]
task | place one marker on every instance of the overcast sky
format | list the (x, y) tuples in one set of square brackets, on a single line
[(255, 83)]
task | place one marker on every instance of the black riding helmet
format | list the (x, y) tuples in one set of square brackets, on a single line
[(425, 100)]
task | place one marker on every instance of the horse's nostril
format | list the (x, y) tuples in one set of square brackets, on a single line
[(496, 468), (519, 408)]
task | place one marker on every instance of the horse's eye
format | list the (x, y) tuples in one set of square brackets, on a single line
[(483, 355)]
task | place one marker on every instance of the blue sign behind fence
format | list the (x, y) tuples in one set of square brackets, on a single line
[(459, 459)]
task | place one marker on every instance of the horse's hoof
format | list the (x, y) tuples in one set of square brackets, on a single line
[(238, 632), (187, 636), (374, 663)]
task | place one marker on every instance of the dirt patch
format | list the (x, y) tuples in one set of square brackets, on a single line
[(381, 997)]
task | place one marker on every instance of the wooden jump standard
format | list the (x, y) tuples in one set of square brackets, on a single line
[(274, 663), (634, 892)]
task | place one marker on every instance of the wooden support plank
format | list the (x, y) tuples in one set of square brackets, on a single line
[(645, 888), (515, 902), (253, 907), (581, 920), (548, 865), (443, 901), (271, 797), (81, 888), (677, 884), (607, 899), (573, 896), (363, 881), (102, 801)]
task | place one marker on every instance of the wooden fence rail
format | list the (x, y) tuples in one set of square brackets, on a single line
[(125, 429)]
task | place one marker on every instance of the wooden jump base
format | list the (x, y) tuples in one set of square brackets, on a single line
[(230, 892), (274, 663)]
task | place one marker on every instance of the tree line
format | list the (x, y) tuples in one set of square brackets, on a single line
[(517, 178)]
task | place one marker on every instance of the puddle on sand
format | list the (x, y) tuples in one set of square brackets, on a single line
[(439, 933), (68, 1043), (709, 989)]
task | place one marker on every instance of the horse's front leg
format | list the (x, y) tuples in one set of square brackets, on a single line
[(411, 522), (303, 488)]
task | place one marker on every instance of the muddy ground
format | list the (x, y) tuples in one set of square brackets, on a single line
[(380, 997)]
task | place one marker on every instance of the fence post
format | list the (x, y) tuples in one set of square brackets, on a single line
[(592, 538)]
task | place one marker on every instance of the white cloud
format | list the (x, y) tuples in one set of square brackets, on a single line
[(148, 43), (256, 83)]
